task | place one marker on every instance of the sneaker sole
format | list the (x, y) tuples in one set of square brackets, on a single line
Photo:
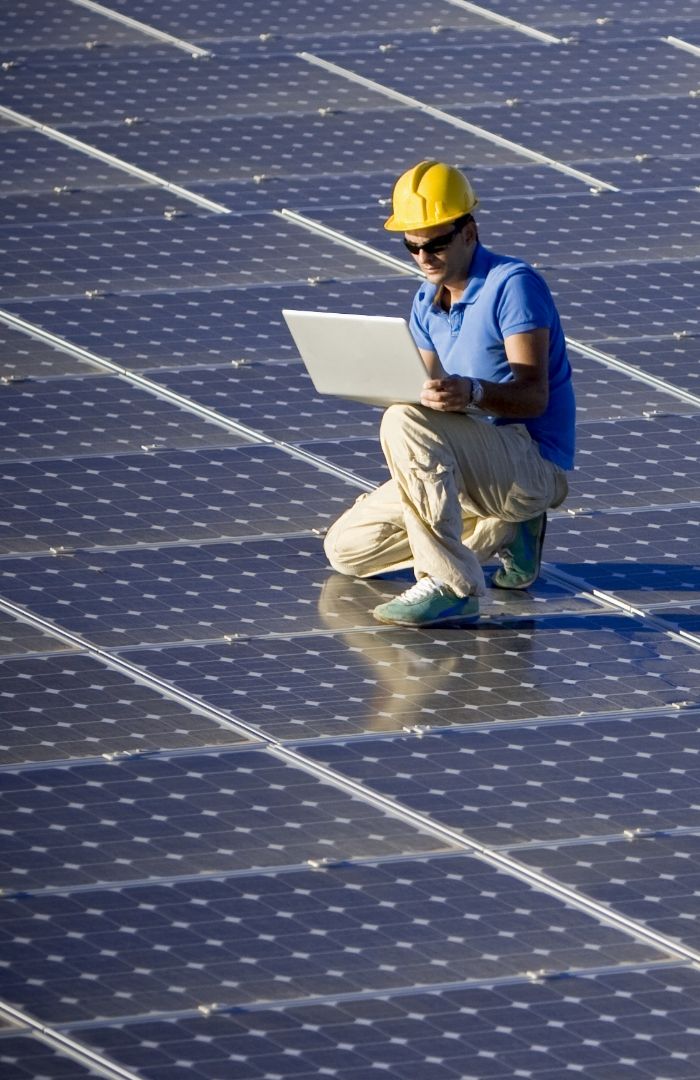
[(447, 620), (532, 580)]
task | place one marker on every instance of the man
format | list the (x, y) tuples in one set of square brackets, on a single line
[(476, 465)]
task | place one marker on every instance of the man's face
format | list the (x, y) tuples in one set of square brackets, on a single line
[(450, 263)]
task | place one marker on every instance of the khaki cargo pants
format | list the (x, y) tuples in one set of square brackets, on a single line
[(458, 484)]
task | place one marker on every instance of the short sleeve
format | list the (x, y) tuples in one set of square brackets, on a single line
[(418, 330), (525, 303)]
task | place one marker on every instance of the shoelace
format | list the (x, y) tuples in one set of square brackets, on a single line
[(422, 590), (506, 558)]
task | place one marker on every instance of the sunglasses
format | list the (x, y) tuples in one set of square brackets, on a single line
[(431, 247)]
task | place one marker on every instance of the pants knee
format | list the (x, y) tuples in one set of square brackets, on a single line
[(340, 555), (397, 421)]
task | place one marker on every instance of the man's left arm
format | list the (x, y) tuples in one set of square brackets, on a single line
[(524, 397)]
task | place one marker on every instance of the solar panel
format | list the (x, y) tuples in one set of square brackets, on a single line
[(248, 831)]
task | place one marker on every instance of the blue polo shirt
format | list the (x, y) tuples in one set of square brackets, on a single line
[(503, 296)]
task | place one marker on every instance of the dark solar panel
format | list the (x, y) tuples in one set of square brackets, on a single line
[(247, 831)]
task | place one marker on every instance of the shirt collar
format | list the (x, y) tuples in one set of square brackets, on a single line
[(478, 272)]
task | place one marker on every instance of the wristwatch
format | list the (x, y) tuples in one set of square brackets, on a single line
[(477, 393)]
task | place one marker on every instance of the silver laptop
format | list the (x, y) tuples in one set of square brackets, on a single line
[(369, 358)]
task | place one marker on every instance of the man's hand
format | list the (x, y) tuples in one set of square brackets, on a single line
[(450, 394)]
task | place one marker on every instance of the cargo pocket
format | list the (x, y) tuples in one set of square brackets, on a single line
[(433, 493)]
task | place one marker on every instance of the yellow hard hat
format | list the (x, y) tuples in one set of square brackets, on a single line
[(431, 193)]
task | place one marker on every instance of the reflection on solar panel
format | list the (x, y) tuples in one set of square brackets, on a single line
[(247, 831)]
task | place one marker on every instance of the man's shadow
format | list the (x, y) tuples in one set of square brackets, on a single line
[(663, 581)]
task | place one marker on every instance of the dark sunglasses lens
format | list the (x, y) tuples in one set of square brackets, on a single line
[(431, 247)]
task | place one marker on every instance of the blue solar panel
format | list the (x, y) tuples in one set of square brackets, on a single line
[(72, 706), (32, 163), (574, 131), (171, 254), (24, 1057), (632, 12), (590, 229), (73, 204), (187, 820), (518, 181), (216, 150), (178, 88), (239, 816), (672, 359), (612, 303), (57, 24), (597, 1026), (650, 878), (684, 618), (206, 325), (550, 784), (186, 593), (300, 17), (22, 357), (431, 921), (649, 173), (645, 557), (91, 415), (278, 400), (514, 73), (161, 498), (305, 687), (18, 638), (635, 463)]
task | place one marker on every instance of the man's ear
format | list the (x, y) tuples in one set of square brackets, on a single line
[(469, 231)]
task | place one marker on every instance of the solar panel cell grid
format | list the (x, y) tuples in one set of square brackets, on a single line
[(428, 921), (22, 357), (592, 1023), (642, 558), (630, 301), (18, 638), (87, 415), (591, 229), (673, 360), (301, 17), (306, 687), (207, 325), (73, 204), (203, 814), (216, 150), (179, 89), (631, 12), (241, 818), (31, 163), (106, 257), (549, 784), (57, 707), (434, 72), (656, 889), (24, 1057), (161, 498), (523, 180), (593, 129), (57, 23)]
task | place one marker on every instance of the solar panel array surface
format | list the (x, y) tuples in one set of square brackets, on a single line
[(248, 832)]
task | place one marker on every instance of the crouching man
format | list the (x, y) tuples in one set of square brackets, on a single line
[(476, 465)]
